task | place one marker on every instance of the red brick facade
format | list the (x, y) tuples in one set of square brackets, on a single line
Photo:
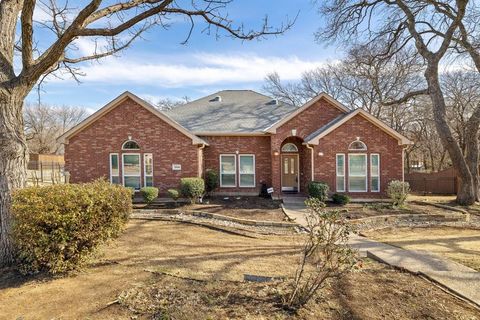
[(87, 152)]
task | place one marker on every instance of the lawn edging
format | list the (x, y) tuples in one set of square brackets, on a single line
[(443, 206)]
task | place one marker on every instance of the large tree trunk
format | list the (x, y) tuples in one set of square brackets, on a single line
[(13, 157), (466, 193)]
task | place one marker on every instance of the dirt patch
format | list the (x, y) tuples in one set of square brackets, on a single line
[(457, 244), (252, 208), (364, 210), (375, 292), (129, 272)]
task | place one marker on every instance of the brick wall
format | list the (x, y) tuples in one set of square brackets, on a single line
[(305, 123), (87, 153), (377, 141), (258, 145)]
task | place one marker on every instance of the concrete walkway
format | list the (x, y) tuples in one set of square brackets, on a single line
[(458, 278)]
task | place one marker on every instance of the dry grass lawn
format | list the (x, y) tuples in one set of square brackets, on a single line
[(458, 244), (125, 273)]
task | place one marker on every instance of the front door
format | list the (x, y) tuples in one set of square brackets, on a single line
[(290, 172)]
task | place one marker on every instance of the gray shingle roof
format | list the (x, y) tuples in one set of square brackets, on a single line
[(239, 111), (326, 126)]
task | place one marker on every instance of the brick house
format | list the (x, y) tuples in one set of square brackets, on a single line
[(248, 138)]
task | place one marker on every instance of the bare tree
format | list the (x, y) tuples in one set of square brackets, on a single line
[(112, 25), (168, 104), (434, 30), (44, 123)]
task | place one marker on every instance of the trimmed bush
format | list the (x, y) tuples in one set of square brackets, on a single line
[(192, 188), (211, 180), (174, 194), (149, 194), (398, 191), (318, 190), (341, 199), (57, 228)]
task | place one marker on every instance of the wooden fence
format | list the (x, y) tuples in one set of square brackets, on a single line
[(442, 182), (40, 172)]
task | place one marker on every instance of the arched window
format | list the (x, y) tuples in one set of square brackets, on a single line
[(130, 145), (289, 147), (357, 145)]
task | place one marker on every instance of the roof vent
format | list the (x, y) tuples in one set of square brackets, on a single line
[(273, 102), (216, 99)]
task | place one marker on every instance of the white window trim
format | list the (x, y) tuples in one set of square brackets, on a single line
[(254, 171), (123, 145), (366, 172), (118, 164), (234, 173), (288, 144), (145, 169), (336, 172), (123, 167), (371, 172), (364, 148)]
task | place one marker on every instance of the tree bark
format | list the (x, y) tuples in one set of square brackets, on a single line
[(13, 165), (466, 194)]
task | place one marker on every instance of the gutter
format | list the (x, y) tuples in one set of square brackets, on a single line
[(312, 160)]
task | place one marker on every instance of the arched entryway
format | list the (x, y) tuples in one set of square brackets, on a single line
[(291, 162)]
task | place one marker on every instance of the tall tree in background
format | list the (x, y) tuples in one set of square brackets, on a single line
[(44, 123), (115, 23), (434, 30)]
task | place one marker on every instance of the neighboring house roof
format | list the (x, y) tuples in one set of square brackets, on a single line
[(323, 95), (235, 112), (112, 104), (315, 136)]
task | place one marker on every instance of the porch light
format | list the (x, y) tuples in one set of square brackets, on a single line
[(320, 154), (276, 153)]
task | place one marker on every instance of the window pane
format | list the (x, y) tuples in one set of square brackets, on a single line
[(149, 181), (340, 183), (375, 184), (374, 166), (247, 180), (285, 166), (132, 182), (357, 184), (115, 179), (357, 165), (131, 164), (246, 164), (340, 165), (148, 158), (292, 165), (114, 162), (227, 164), (228, 180)]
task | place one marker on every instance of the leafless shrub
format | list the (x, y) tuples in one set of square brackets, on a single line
[(325, 254)]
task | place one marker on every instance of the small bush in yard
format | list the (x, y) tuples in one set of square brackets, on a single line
[(318, 190), (192, 188), (211, 180), (341, 199), (174, 194), (57, 228), (325, 254), (398, 191), (149, 194)]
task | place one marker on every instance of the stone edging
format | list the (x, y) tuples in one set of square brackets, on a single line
[(410, 217), (438, 205), (217, 216)]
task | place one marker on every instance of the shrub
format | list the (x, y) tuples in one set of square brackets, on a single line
[(211, 180), (318, 190), (325, 254), (192, 188), (149, 194), (341, 199), (57, 228), (174, 194), (398, 191)]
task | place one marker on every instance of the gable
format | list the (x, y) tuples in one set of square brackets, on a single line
[(362, 119), (318, 111), (124, 99)]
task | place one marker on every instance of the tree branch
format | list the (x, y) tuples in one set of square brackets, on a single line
[(27, 32)]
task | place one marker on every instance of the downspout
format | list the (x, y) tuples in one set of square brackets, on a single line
[(201, 164), (312, 162)]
